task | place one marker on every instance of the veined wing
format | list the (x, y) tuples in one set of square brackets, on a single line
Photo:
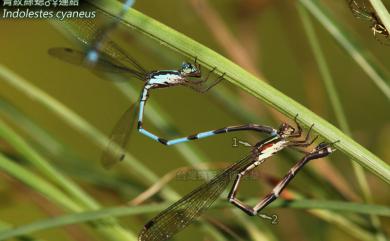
[(88, 31), (360, 9), (181, 214), (104, 63), (119, 137)]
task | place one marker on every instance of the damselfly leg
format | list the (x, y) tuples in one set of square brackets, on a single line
[(304, 143), (322, 150), (202, 85)]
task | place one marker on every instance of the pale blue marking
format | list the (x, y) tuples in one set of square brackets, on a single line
[(177, 141), (148, 134), (205, 134), (92, 56), (164, 78), (141, 110), (129, 3), (274, 132)]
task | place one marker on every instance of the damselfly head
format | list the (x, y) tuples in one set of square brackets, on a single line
[(190, 70), (285, 130)]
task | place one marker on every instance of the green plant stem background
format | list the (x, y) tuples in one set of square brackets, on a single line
[(38, 171)]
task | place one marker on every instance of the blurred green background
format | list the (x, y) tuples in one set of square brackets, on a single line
[(270, 37)]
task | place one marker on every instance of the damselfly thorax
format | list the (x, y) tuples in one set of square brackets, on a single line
[(268, 149)]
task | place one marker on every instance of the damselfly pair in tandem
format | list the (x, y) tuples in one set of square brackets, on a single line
[(107, 56)]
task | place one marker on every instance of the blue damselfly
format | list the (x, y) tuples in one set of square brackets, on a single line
[(114, 59)]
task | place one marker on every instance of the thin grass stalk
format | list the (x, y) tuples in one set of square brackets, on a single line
[(110, 232), (121, 211), (369, 64), (76, 122), (345, 224), (44, 142), (337, 107), (43, 166), (4, 225), (38, 183)]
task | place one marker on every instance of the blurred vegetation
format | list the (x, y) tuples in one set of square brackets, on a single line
[(55, 118)]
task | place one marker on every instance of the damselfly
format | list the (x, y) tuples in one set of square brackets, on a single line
[(114, 59), (363, 10), (183, 212)]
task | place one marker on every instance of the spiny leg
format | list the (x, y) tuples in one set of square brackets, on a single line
[(302, 143), (209, 73), (305, 142), (202, 80), (201, 86), (298, 126), (216, 81)]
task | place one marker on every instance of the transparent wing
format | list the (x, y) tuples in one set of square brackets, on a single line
[(103, 64), (183, 212), (119, 137), (88, 31), (360, 9)]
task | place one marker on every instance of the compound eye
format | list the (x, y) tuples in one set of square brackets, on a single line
[(321, 145), (186, 65), (186, 68)]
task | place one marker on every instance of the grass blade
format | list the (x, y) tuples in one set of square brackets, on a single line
[(143, 209), (75, 121), (252, 85)]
